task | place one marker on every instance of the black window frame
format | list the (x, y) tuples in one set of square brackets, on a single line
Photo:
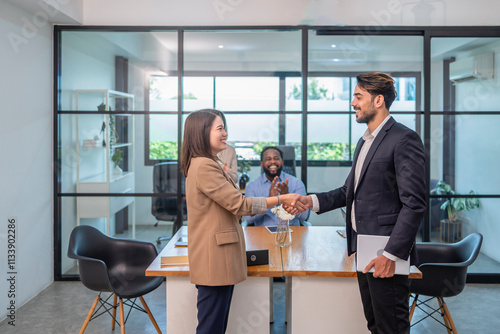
[(427, 33)]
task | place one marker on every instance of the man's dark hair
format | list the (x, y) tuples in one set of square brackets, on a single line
[(270, 148), (378, 83)]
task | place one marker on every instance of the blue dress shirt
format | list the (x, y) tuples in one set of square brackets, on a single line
[(260, 188)]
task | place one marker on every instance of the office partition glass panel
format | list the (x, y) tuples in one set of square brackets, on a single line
[(113, 60), (250, 133), (163, 137), (463, 127), (465, 148), (293, 93), (334, 62), (163, 93), (293, 135), (363, 52), (328, 137), (328, 94), (247, 93), (245, 73), (484, 220), (477, 149), (97, 151), (242, 50), (198, 93)]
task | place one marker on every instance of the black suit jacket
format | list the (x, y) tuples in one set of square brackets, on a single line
[(390, 197)]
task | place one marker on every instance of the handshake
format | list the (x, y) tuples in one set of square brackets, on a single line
[(295, 203)]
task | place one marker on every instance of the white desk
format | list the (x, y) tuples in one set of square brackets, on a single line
[(321, 288)]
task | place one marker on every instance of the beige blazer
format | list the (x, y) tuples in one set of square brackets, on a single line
[(228, 156), (216, 244)]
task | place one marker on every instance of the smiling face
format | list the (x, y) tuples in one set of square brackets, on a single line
[(218, 136), (364, 105), (271, 163)]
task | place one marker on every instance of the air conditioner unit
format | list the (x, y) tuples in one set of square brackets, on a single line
[(471, 68)]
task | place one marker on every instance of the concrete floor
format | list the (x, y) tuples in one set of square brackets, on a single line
[(62, 307)]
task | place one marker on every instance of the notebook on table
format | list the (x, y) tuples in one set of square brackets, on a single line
[(371, 246)]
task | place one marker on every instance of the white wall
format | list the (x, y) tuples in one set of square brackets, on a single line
[(291, 12), (26, 151), (60, 11)]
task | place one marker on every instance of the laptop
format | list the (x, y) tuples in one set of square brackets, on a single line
[(371, 246)]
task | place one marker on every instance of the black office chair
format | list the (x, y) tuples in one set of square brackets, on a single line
[(289, 166), (444, 271), (288, 159), (165, 208), (113, 265)]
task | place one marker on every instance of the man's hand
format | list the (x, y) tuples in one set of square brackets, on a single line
[(273, 191), (384, 268), (278, 187), (295, 203), (282, 187), (303, 202)]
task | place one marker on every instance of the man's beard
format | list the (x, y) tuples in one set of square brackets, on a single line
[(278, 172), (366, 117)]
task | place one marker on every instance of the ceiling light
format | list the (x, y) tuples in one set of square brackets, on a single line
[(221, 46), (333, 46)]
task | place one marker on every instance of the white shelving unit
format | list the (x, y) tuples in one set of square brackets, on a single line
[(98, 137)]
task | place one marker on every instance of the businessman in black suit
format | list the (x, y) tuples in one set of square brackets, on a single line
[(384, 194)]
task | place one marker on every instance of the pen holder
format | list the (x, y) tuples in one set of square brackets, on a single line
[(283, 234)]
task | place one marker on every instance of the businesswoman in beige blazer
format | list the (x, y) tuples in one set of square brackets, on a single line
[(216, 247)]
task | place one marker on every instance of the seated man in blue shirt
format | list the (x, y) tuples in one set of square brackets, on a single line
[(274, 182)]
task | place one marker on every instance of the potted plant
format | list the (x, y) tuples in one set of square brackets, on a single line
[(117, 158), (452, 226), (243, 169)]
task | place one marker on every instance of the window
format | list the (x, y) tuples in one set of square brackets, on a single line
[(246, 99)]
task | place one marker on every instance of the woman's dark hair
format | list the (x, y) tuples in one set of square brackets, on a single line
[(378, 83), (196, 142)]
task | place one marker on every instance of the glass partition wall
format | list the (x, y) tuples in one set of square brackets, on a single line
[(465, 147), (123, 94), (333, 62)]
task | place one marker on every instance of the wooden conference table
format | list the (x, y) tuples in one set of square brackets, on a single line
[(321, 287)]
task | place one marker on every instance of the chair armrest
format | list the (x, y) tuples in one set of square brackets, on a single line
[(94, 274), (440, 279), (134, 254)]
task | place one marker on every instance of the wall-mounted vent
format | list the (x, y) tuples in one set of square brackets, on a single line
[(471, 68)]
